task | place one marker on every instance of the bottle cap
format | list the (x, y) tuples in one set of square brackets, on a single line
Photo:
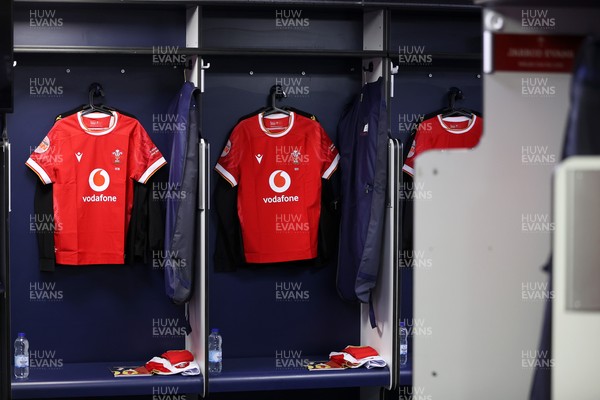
[(21, 334), (216, 330)]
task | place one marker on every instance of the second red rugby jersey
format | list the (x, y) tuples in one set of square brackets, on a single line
[(278, 162), (91, 161), (444, 133)]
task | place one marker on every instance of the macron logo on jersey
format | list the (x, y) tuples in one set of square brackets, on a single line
[(99, 180), (280, 181)]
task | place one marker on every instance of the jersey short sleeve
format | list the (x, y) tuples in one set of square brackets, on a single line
[(146, 159), (229, 161), (409, 163), (44, 158), (420, 144), (330, 155)]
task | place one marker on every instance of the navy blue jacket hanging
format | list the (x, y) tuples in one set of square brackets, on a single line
[(180, 226), (362, 143)]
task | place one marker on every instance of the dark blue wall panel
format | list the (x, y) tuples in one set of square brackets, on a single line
[(99, 25), (457, 32), (283, 28)]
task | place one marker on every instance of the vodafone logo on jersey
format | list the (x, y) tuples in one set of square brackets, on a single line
[(280, 181), (99, 180)]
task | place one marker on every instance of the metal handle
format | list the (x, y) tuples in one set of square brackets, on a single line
[(7, 145), (203, 175)]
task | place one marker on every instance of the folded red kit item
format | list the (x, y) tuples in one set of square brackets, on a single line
[(174, 362), (357, 356), (178, 356)]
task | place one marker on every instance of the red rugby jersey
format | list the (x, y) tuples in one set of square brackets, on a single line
[(91, 161), (444, 133), (278, 162)]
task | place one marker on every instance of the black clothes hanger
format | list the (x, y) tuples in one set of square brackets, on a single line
[(96, 90), (275, 94), (454, 94)]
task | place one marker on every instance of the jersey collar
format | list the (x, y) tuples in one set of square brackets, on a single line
[(280, 134), (98, 132), (457, 119)]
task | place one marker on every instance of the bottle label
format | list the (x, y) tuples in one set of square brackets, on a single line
[(215, 356), (403, 349), (21, 361)]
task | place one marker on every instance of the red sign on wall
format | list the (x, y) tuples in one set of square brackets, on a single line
[(535, 53)]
